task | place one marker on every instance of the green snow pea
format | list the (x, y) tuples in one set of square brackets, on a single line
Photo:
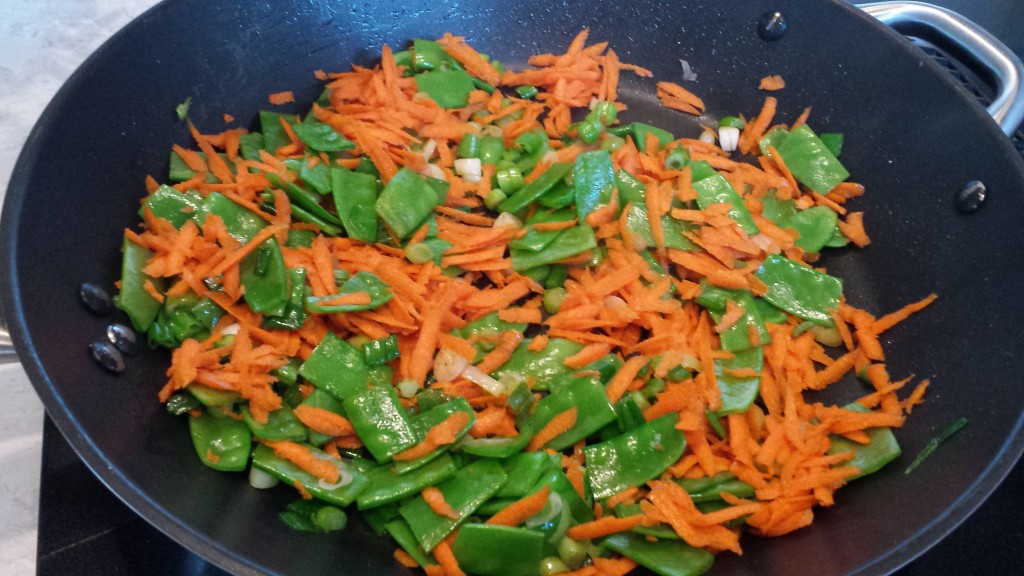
[(800, 290), (663, 557), (593, 181), (638, 225), (428, 55), (630, 189), (133, 298), (448, 88), (537, 240), (715, 189), (265, 279), (405, 203), (498, 550), (639, 131), (303, 200), (424, 421), (529, 193), (541, 369), (175, 207), (378, 518), (523, 471), (810, 160), (355, 195), (484, 333), (561, 196), (178, 170), (274, 135), (321, 399), (281, 424), (250, 145), (381, 351), (222, 443), (737, 337), (294, 314), (816, 226), (871, 457), (386, 486), (606, 367), (336, 367), (213, 397), (833, 141), (321, 137), (769, 314), (240, 222), (465, 492), (633, 457), (711, 488), (737, 392), (567, 243), (312, 516), (496, 447), (381, 422), (265, 459), (362, 281), (317, 177), (400, 531), (594, 411)]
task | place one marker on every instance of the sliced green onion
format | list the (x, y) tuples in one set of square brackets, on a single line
[(589, 131), (469, 146), (527, 91), (494, 198), (732, 121), (553, 299), (510, 180), (419, 253), (604, 112), (934, 443), (676, 159)]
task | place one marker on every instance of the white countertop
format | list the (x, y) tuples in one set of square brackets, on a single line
[(41, 43)]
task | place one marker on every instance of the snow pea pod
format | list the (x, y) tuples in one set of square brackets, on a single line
[(240, 222), (541, 369), (606, 367), (337, 367), (448, 88), (381, 422), (738, 392), (222, 443), (321, 399), (630, 189), (265, 279), (816, 226), (638, 225), (715, 189), (281, 424), (531, 192), (465, 492), (361, 282), (405, 203), (498, 550), (293, 316), (634, 457), (711, 488), (593, 181), (523, 470), (639, 132), (321, 137), (386, 486), (568, 243), (274, 135), (428, 55), (424, 421), (317, 176), (663, 557), (809, 159), (355, 195), (737, 337), (174, 206), (536, 240), (133, 297), (303, 199), (800, 290), (400, 531), (265, 459), (871, 457), (594, 411)]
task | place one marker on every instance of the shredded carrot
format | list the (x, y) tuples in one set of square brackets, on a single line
[(560, 424), (604, 527), (301, 456), (446, 558), (589, 354), (405, 559), (623, 378), (279, 98), (521, 510), (435, 499), (772, 83), (323, 421)]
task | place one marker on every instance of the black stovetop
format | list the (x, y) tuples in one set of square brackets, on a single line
[(85, 530)]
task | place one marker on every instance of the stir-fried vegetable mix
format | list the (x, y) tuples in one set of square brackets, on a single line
[(516, 342)]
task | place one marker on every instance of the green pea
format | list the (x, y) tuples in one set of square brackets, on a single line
[(573, 553), (330, 519), (553, 299), (552, 565)]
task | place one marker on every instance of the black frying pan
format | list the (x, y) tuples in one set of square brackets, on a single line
[(912, 139)]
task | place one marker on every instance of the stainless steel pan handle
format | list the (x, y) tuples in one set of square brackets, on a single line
[(1007, 109), (7, 354)]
